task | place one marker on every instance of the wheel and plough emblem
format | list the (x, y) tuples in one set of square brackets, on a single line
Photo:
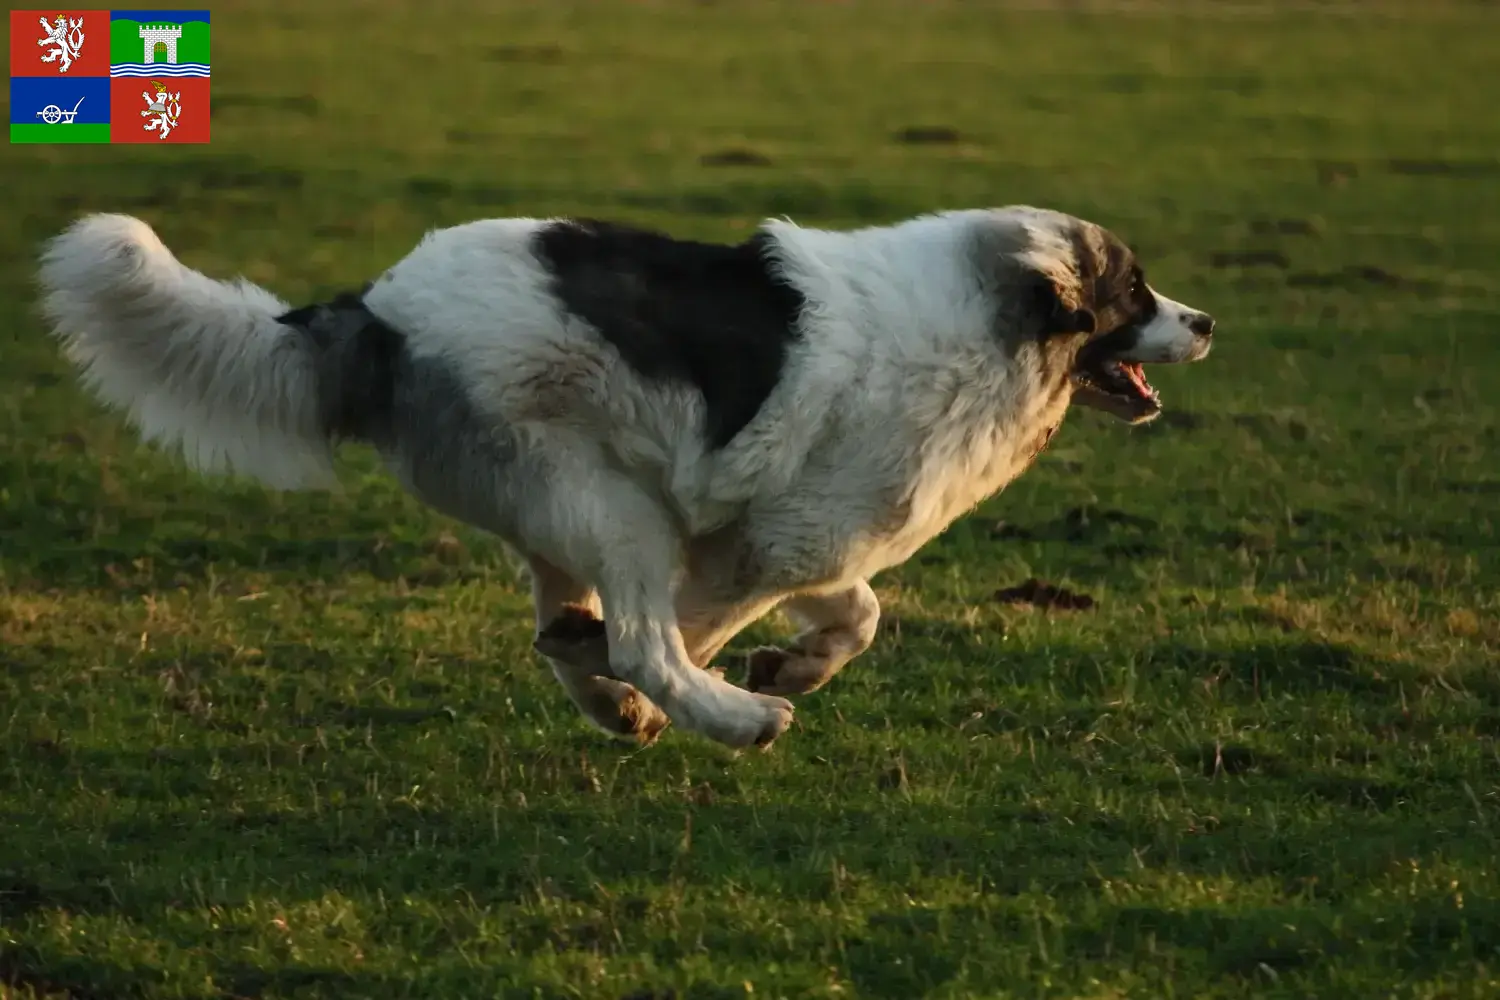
[(52, 114)]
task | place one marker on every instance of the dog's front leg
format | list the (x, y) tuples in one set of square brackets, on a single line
[(635, 570), (600, 667), (840, 626)]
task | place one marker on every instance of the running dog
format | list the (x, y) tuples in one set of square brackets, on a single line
[(677, 436)]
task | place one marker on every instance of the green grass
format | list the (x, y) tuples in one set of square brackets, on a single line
[(258, 745)]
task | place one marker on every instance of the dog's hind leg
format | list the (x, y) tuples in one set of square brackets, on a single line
[(707, 628), (839, 626), (567, 620)]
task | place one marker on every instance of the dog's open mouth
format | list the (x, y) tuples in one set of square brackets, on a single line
[(1118, 387)]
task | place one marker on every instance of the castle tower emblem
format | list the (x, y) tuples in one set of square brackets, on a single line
[(166, 35)]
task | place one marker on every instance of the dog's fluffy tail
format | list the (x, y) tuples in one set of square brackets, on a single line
[(199, 364)]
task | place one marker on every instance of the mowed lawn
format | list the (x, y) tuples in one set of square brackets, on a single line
[(260, 745)]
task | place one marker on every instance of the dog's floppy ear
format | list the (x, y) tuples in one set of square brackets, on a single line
[(1057, 317)]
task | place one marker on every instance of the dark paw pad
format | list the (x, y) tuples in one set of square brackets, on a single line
[(764, 665), (573, 624), (576, 635)]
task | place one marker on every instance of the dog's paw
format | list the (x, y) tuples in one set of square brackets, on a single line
[(762, 665), (779, 717), (737, 718), (642, 720), (772, 670)]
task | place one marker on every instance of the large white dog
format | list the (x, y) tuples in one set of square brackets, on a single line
[(678, 436)]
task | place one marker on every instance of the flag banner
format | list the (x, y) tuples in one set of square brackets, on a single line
[(99, 76)]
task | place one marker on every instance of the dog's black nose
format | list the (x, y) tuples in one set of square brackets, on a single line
[(1202, 324)]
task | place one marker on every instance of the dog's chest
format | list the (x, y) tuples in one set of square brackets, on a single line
[(959, 472), (886, 488), (952, 473)]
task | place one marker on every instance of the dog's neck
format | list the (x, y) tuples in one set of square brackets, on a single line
[(898, 332)]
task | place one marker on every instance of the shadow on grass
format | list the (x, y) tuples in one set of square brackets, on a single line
[(1297, 665), (82, 977), (497, 858), (492, 847), (69, 534), (134, 567)]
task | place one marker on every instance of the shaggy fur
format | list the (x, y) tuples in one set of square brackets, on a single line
[(679, 437)]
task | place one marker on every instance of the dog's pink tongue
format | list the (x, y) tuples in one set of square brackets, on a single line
[(1137, 376)]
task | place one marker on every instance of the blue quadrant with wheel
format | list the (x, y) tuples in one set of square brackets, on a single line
[(59, 102)]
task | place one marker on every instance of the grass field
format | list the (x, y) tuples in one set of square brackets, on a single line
[(258, 745)]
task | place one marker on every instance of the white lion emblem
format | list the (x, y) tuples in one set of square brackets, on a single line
[(67, 36), (166, 107)]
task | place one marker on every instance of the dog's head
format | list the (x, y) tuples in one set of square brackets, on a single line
[(1082, 293)]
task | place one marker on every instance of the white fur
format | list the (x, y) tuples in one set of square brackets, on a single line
[(1168, 339), (198, 364)]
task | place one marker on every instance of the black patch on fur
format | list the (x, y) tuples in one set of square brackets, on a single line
[(357, 357), (1058, 319), (717, 317), (1115, 302), (1116, 292)]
